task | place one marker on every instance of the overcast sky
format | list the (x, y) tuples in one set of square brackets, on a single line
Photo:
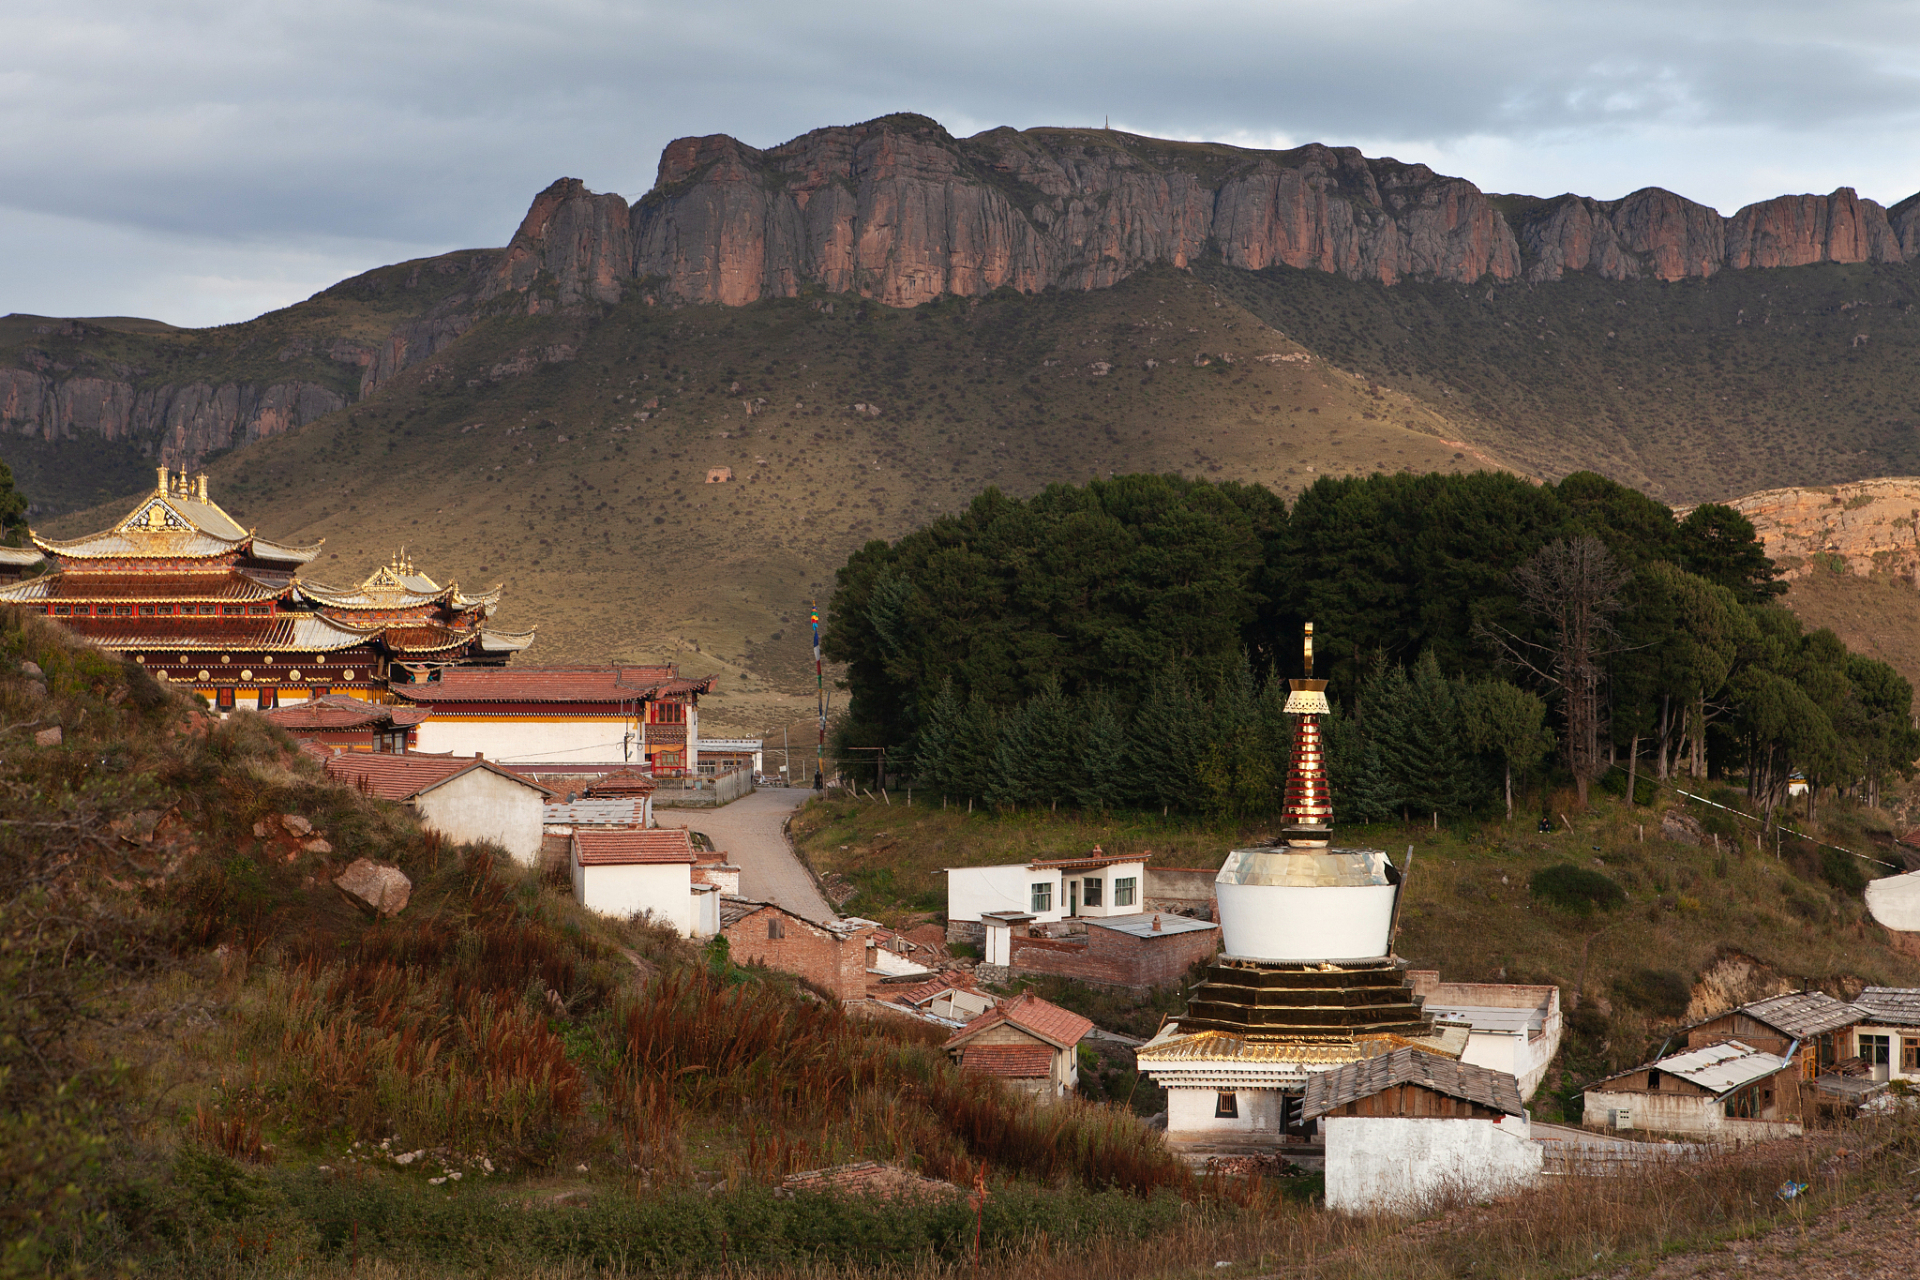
[(201, 162)]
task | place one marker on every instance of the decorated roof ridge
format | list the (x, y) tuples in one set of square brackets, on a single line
[(223, 586), (178, 509)]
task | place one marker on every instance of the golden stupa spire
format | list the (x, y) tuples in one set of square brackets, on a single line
[(1308, 813)]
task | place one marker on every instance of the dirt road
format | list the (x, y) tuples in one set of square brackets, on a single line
[(750, 830)]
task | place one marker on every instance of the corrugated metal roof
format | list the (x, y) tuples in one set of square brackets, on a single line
[(1008, 1061), (1718, 1068), (1484, 1017), (1329, 1090), (1801, 1014), (595, 812), (632, 848), (1894, 1006), (1142, 925)]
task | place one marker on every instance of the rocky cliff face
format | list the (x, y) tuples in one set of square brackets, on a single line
[(900, 211), (184, 423)]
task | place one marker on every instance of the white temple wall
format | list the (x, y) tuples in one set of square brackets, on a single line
[(546, 740), (1400, 1164), (482, 805), (1190, 1113)]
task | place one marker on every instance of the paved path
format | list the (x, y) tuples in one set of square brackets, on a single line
[(750, 830)]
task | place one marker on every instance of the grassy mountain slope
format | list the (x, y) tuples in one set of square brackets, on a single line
[(527, 453), (1694, 391)]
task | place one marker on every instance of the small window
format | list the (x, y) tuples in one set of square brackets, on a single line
[(319, 691), (62, 610), (258, 610), (223, 698), (1876, 1051), (1226, 1106), (146, 611), (1042, 897), (1090, 892), (776, 929), (1124, 889), (269, 699), (231, 610), (1909, 1053), (164, 610), (122, 610), (207, 610)]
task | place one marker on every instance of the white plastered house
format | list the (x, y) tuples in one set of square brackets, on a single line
[(1887, 1038), (464, 798), (643, 873), (1047, 891)]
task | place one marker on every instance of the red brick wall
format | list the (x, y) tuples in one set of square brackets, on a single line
[(1117, 959), (829, 962)]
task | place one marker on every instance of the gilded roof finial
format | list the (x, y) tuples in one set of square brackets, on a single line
[(1308, 815)]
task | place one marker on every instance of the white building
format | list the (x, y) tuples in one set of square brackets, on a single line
[(605, 716), (1405, 1129), (1887, 1038), (1098, 885), (644, 873), (1515, 1028), (463, 799)]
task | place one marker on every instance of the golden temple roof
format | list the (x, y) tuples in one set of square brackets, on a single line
[(178, 520)]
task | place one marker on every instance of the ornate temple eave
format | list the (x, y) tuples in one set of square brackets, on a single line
[(507, 641), (279, 633)]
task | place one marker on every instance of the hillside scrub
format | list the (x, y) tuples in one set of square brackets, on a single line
[(204, 1050), (1123, 645)]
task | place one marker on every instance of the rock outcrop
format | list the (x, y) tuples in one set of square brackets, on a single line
[(1792, 231), (1866, 527)]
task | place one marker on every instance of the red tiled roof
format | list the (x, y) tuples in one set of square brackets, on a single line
[(1032, 1014), (335, 712), (927, 990), (401, 777), (629, 848), (1008, 1061), (621, 782), (1097, 858), (615, 683)]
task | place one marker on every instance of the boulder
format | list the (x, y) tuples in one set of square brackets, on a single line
[(31, 670), (48, 737), (375, 887), (296, 825), (317, 845), (1682, 828)]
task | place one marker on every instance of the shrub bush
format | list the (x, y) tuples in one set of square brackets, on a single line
[(1575, 889)]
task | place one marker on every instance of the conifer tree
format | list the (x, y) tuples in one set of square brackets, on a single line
[(1101, 784), (934, 743)]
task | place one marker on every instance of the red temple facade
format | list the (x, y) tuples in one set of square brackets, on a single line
[(181, 587)]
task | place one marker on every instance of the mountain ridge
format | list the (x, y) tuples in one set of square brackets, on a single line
[(898, 211)]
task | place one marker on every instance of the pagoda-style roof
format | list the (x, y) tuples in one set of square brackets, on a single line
[(398, 585), (272, 633), (177, 521), (218, 586)]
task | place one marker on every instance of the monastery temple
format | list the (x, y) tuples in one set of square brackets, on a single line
[(1307, 982), (181, 587)]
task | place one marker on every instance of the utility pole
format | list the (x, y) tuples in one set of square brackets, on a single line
[(820, 690)]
